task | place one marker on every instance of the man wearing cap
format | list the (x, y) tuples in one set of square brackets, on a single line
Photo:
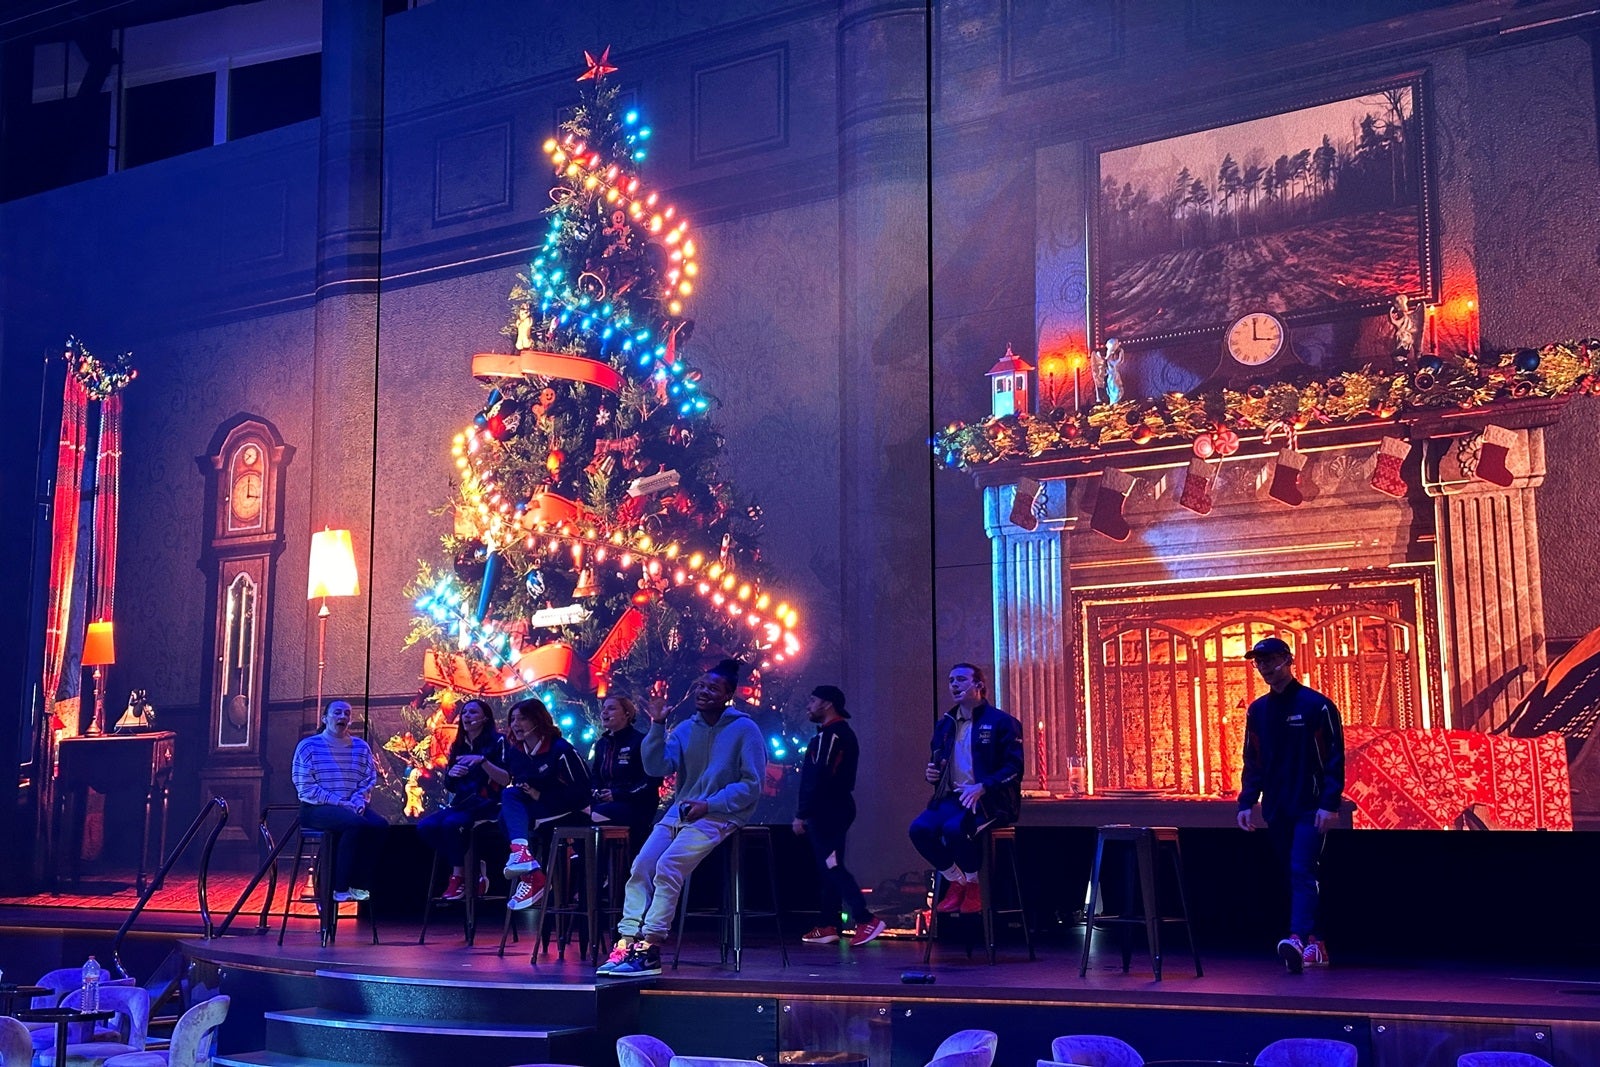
[(975, 768), (1294, 765), (719, 758), (824, 815)]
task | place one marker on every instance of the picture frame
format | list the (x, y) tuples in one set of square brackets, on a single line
[(1317, 211)]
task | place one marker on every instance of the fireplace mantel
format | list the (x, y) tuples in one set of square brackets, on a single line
[(1417, 426)]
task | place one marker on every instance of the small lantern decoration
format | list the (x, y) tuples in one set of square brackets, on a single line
[(1008, 385)]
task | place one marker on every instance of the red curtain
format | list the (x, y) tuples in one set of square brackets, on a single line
[(64, 533)]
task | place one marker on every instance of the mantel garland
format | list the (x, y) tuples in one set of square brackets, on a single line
[(1429, 384)]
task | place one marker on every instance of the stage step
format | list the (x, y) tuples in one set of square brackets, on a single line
[(575, 1003), (271, 1059), (367, 1038)]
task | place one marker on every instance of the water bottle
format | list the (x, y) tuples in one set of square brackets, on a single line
[(91, 985)]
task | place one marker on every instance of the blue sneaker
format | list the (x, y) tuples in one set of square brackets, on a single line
[(642, 960), (619, 952)]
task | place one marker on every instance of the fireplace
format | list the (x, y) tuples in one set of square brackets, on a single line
[(1125, 658), (1165, 684)]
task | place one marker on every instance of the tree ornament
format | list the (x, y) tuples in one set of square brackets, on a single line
[(554, 460), (1386, 477), (470, 561), (1527, 360), (1199, 484), (754, 512), (1204, 446), (1110, 495)]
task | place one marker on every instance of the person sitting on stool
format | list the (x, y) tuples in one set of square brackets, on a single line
[(472, 797), (623, 793), (334, 775), (720, 760), (545, 780), (824, 814), (975, 767)]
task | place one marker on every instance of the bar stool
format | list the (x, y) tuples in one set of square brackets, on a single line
[(1145, 844), (733, 913), (597, 846), (591, 845), (470, 898), (316, 848), (992, 839)]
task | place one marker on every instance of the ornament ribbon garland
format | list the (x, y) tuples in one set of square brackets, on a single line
[(1435, 383)]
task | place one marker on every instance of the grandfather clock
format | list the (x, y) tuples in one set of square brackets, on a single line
[(244, 469)]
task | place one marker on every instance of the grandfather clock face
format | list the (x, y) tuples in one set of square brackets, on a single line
[(246, 469)]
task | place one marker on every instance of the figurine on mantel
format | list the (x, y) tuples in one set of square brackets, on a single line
[(1105, 366), (1403, 321)]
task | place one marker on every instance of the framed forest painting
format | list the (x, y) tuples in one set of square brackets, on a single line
[(1315, 213)]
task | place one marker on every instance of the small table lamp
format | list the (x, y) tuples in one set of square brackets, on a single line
[(99, 651), (332, 573)]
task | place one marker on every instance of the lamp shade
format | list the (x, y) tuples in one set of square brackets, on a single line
[(99, 647), (333, 565)]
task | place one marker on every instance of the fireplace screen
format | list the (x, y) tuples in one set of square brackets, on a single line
[(1167, 682)]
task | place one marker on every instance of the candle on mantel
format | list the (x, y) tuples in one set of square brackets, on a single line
[(1473, 341), (1076, 361), (1039, 758)]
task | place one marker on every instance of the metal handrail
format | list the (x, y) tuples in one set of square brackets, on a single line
[(268, 868), (214, 805)]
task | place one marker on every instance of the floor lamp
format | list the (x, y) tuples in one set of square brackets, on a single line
[(99, 652), (332, 573)]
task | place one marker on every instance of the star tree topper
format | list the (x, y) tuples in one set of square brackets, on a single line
[(598, 68)]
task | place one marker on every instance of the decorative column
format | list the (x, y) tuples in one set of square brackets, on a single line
[(884, 380), (1492, 600), (344, 396), (1033, 628)]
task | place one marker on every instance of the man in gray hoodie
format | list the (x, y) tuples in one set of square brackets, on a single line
[(719, 758)]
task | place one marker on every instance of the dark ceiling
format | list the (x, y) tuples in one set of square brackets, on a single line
[(43, 21)]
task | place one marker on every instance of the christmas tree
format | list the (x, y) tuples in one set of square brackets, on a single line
[(595, 546)]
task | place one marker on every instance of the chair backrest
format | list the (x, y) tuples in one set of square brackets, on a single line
[(972, 1057), (968, 1041), (1095, 1050), (16, 1044), (132, 1005), (64, 980), (642, 1050), (1501, 1059), (194, 1039), (60, 982), (1308, 1052)]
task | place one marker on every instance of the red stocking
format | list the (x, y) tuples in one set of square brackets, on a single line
[(1108, 500), (1392, 452), (1198, 483), (1497, 442), (1286, 478), (1022, 504)]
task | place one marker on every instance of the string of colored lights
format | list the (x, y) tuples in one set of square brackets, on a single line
[(573, 159), (505, 521)]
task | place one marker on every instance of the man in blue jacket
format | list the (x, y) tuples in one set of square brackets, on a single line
[(719, 758), (975, 767), (1294, 765)]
